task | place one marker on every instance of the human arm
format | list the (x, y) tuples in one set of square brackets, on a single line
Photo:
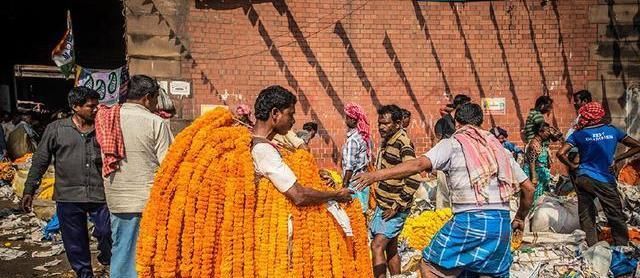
[(399, 171), (526, 201), (304, 146), (410, 183), (348, 174), (437, 158), (633, 146), (164, 138), (39, 164), (564, 158), (531, 158), (305, 196), (353, 153), (270, 164)]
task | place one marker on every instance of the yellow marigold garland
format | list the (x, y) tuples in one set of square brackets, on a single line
[(419, 229), (207, 217)]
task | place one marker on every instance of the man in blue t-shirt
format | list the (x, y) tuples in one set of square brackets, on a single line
[(597, 143)]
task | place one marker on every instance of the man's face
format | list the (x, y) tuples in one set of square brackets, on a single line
[(547, 109), (284, 120), (151, 102), (577, 103), (88, 110), (351, 122), (386, 126), (406, 121), (501, 138)]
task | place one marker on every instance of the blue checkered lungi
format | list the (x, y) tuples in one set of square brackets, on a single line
[(474, 241)]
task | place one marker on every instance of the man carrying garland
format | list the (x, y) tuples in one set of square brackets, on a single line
[(481, 175), (274, 113)]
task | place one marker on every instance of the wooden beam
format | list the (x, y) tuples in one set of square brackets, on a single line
[(624, 13)]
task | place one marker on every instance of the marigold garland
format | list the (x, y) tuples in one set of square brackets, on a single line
[(419, 229), (208, 217)]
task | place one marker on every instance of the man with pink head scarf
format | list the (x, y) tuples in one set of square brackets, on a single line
[(243, 112), (357, 149)]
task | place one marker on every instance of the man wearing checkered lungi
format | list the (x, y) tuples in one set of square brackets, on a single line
[(482, 176)]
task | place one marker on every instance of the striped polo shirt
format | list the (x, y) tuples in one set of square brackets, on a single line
[(534, 117), (391, 194)]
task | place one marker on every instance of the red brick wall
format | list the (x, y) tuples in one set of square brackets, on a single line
[(382, 52)]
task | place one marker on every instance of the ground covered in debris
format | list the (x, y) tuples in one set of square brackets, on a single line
[(23, 251)]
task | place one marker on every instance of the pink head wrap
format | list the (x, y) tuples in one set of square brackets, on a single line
[(356, 112), (243, 110)]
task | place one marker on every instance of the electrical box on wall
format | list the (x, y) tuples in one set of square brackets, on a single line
[(176, 87), (180, 88)]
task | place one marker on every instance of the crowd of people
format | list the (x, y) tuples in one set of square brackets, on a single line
[(105, 159)]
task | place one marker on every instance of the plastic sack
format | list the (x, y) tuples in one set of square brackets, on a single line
[(46, 184), (621, 264), (53, 226), (555, 214)]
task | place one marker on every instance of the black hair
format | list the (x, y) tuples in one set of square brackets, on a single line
[(405, 113), (394, 110), (497, 131), (460, 99), (273, 97), (537, 127), (142, 85), (543, 102), (583, 95), (78, 96), (469, 114), (310, 126)]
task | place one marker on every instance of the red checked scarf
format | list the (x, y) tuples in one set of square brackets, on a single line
[(109, 136), (590, 114)]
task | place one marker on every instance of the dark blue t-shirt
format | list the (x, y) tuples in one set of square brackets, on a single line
[(597, 147)]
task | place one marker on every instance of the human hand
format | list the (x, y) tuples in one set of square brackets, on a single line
[(363, 180), (27, 202), (326, 178), (389, 213), (343, 195), (517, 225)]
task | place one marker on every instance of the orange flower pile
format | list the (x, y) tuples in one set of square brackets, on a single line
[(207, 217), (7, 171), (630, 173)]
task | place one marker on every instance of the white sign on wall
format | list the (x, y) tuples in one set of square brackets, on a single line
[(494, 106), (180, 88)]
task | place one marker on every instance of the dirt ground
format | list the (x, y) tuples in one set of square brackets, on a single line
[(23, 266)]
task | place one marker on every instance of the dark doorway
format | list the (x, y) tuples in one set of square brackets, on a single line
[(31, 31)]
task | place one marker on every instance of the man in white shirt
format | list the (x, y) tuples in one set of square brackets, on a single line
[(481, 175), (274, 112), (146, 139)]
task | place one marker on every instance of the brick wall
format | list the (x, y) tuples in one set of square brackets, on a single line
[(381, 52)]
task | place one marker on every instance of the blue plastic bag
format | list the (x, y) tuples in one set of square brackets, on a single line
[(53, 226), (621, 264)]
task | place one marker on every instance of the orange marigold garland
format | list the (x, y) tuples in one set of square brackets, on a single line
[(207, 217)]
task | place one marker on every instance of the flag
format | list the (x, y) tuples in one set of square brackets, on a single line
[(63, 54)]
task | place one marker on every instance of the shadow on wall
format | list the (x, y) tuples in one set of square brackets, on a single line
[(355, 61), (532, 35), (505, 61), (566, 74), (434, 52), (254, 18), (292, 82), (397, 64), (469, 56)]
